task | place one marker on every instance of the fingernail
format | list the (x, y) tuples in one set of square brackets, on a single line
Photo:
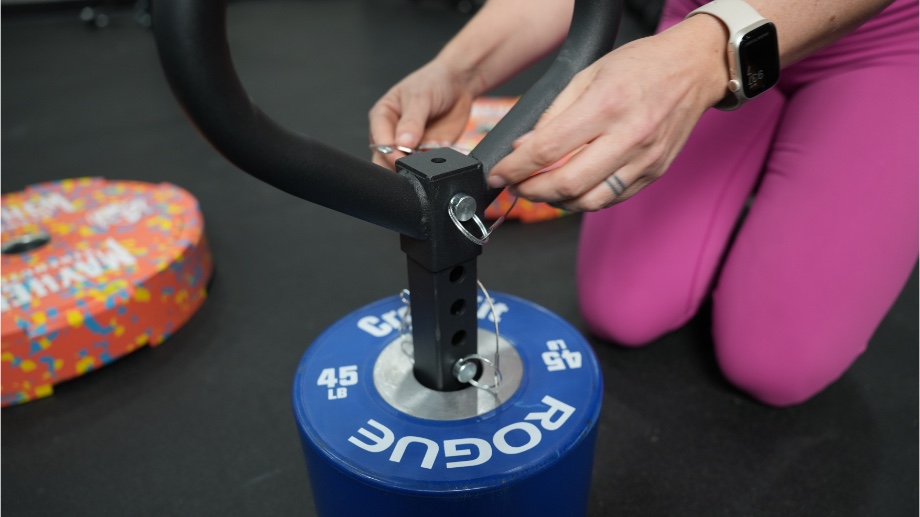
[(405, 139), (496, 181)]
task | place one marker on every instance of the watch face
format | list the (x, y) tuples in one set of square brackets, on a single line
[(759, 56)]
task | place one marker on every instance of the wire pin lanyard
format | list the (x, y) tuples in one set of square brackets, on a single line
[(463, 208), (465, 369)]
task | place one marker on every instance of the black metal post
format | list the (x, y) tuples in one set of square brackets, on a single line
[(442, 268)]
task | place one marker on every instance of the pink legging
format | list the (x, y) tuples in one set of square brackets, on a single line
[(827, 163)]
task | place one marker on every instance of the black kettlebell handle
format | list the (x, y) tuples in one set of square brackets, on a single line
[(192, 42)]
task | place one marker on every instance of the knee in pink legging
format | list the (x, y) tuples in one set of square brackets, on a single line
[(828, 241)]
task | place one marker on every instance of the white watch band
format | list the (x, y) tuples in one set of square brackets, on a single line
[(737, 16)]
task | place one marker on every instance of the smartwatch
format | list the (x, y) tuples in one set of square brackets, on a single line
[(753, 50)]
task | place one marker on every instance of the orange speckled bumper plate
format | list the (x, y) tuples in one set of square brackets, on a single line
[(125, 265)]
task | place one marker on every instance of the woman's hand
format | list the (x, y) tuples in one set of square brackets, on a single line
[(430, 106), (627, 115)]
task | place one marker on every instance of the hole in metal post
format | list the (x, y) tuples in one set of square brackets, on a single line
[(458, 307), (458, 338), (456, 274)]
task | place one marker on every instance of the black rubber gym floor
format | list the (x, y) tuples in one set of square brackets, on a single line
[(203, 424)]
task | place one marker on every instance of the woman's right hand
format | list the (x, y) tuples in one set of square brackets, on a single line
[(429, 107)]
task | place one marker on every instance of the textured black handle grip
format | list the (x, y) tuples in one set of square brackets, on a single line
[(192, 42)]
